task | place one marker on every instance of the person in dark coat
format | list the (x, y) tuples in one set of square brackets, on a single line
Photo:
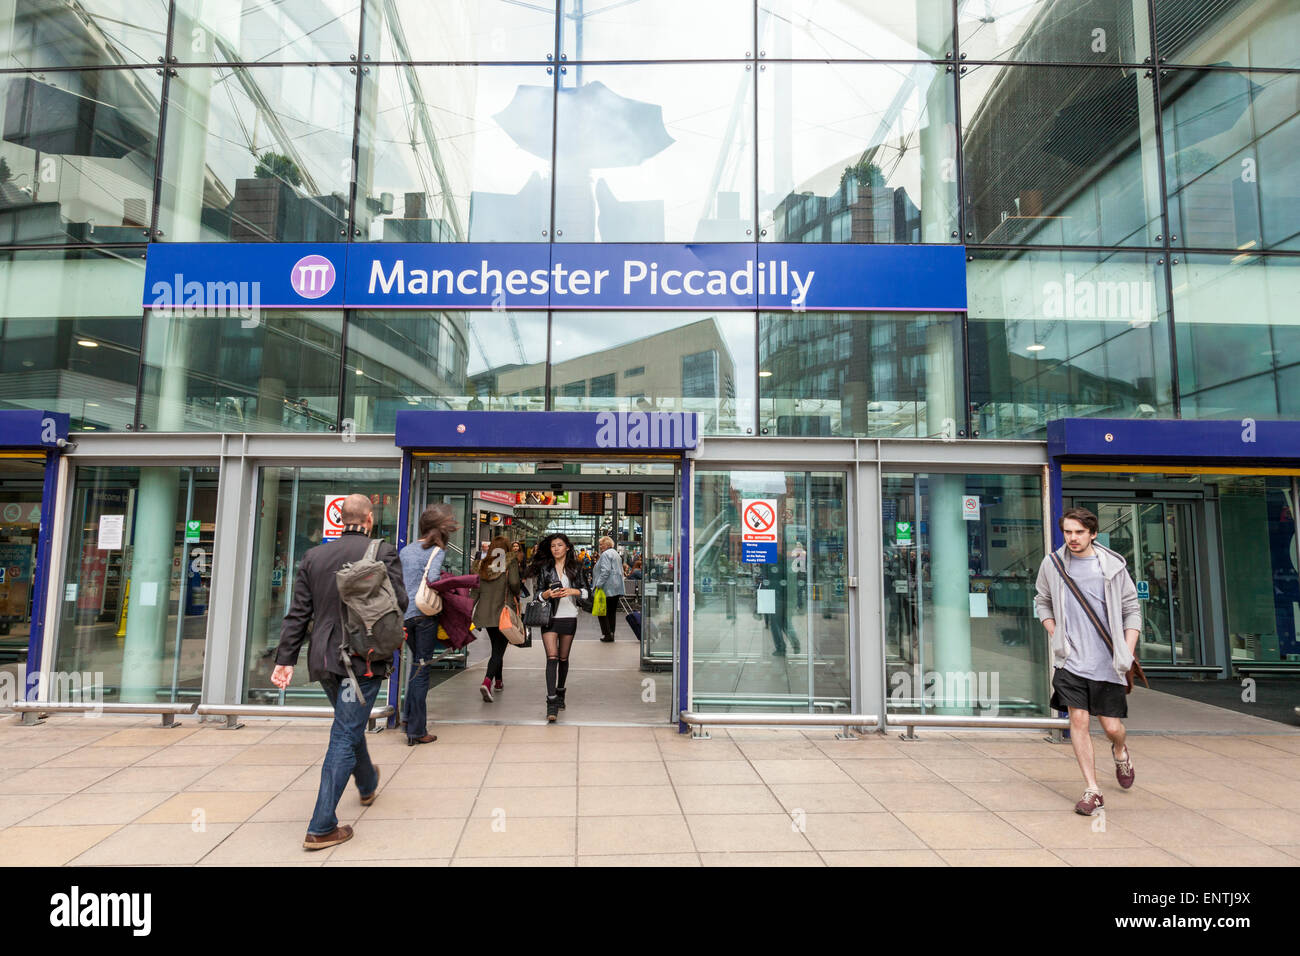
[(316, 611), (499, 584)]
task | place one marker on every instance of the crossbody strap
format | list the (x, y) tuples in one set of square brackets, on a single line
[(1083, 601)]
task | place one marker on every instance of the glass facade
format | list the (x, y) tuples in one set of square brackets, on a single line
[(1122, 174)]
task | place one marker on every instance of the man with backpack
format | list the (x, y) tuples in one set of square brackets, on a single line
[(348, 593), (1089, 607)]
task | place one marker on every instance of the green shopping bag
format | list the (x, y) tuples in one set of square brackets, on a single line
[(598, 603)]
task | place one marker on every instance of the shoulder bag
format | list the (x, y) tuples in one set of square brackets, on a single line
[(1088, 609), (427, 600)]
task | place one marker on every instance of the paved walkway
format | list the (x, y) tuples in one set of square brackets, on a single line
[(123, 791)]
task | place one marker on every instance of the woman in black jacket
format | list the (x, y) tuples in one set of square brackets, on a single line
[(561, 580)]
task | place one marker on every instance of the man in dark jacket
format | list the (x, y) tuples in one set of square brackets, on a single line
[(316, 610)]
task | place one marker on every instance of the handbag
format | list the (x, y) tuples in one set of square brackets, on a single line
[(598, 603), (538, 613), (427, 600), (509, 625), (1135, 667)]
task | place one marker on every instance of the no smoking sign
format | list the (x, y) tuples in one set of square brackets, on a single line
[(758, 530)]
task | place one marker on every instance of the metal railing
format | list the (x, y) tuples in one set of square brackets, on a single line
[(32, 710), (865, 723)]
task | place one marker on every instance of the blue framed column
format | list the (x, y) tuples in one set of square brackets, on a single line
[(403, 524), (684, 557)]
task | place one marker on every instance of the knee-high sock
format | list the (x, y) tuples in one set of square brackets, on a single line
[(563, 672), (552, 666)]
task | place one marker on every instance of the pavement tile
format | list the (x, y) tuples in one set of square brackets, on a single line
[(633, 773), (888, 771), (642, 859), (55, 780), (859, 831), (1271, 826), (1205, 795), (536, 752), (146, 737), (739, 833), (387, 863), (515, 862), (1014, 795), (531, 775), (271, 755), (920, 796), (685, 749), (788, 858), (621, 835), (230, 777), (526, 802), (627, 801), (279, 842), (1140, 797), (1288, 743), (401, 840), (1142, 856), (16, 757), (1233, 746), (143, 844), (1276, 790), (397, 803), (16, 807), (709, 773), (882, 858), (210, 756), (870, 747), (466, 733), (1030, 857), (1177, 827), (1234, 856), (795, 748), (518, 837), (48, 846), (296, 806), (617, 734), (821, 770), (970, 770), (965, 831), (539, 733), (87, 809), (1035, 749), (411, 776), (1046, 769), (94, 756), (230, 806), (440, 753), (618, 751), (148, 779), (1065, 828), (825, 798), (730, 798), (1282, 766)]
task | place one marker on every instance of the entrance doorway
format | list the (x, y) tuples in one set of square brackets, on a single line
[(630, 680), (1160, 539)]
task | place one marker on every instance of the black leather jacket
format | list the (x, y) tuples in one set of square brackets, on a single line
[(547, 579)]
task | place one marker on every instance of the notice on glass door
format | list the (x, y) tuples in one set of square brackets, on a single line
[(110, 532)]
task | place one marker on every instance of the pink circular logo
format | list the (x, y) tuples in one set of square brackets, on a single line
[(312, 276)]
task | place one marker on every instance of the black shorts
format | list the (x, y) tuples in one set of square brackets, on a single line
[(561, 625), (1101, 698)]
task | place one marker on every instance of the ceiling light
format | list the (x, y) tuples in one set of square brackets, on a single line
[(1035, 348), (92, 404), (88, 343), (359, 372), (764, 374)]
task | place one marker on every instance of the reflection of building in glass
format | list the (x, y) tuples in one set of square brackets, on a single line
[(688, 368), (863, 209)]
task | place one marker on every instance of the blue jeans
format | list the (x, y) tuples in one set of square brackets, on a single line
[(347, 755), (421, 634)]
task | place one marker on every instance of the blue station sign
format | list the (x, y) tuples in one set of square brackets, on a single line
[(520, 276)]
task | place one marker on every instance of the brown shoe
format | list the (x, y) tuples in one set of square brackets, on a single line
[(368, 800), (1124, 768), (1091, 801), (339, 835)]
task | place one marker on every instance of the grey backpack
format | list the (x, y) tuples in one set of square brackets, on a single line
[(372, 618)]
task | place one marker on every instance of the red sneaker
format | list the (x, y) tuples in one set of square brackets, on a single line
[(1091, 802), (1124, 768), (500, 686), (485, 689)]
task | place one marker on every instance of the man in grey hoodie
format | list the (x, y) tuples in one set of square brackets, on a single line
[(1088, 678)]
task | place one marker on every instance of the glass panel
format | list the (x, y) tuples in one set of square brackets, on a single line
[(1066, 334), (439, 360), (39, 33), (305, 31), (961, 636), (857, 153), (656, 154), (1257, 33), (78, 154), (684, 361), (1063, 156), (70, 334), (1238, 335), (258, 154), (658, 581), (290, 521), (774, 635), (133, 618), (1081, 31), (1261, 593), (657, 30), (278, 372), (455, 154), (855, 29), (879, 374), (460, 30), (1232, 158), (21, 491)]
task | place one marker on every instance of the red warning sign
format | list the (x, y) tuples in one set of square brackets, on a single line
[(333, 517), (758, 519)]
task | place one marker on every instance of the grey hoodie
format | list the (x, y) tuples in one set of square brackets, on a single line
[(1123, 610)]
